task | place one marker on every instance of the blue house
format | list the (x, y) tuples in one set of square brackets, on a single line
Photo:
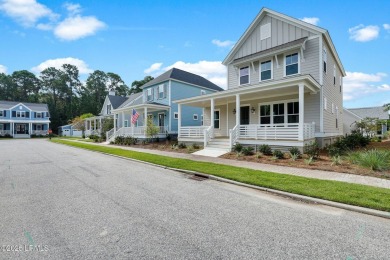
[(156, 102), (19, 119)]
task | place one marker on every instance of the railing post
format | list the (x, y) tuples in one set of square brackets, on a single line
[(301, 111)]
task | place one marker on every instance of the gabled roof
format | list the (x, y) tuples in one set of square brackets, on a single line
[(116, 101), (133, 99), (307, 26), (184, 76), (33, 106), (372, 112)]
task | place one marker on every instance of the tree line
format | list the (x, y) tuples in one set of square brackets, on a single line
[(61, 89)]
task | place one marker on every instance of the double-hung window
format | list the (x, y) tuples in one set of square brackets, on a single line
[(265, 114), (1, 113), (293, 112), (20, 114), (266, 70), (278, 113), (244, 75), (161, 92), (150, 94), (334, 75), (292, 64), (325, 58), (38, 115), (108, 109), (216, 119)]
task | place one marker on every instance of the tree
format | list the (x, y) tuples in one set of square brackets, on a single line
[(386, 107), (368, 126), (95, 92), (7, 91), (115, 82), (137, 84), (151, 129), (26, 87), (71, 80)]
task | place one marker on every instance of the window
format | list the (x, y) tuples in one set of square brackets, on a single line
[(292, 64), (201, 118), (266, 70), (20, 114), (150, 94), (38, 115), (1, 127), (216, 119), (244, 75), (265, 31), (39, 127), (325, 59), (203, 92), (293, 112), (108, 109), (195, 116), (161, 91), (278, 113), (332, 108), (126, 124), (176, 115), (265, 114), (325, 104), (334, 75), (337, 117), (1, 113)]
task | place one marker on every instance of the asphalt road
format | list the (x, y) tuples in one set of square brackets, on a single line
[(69, 203)]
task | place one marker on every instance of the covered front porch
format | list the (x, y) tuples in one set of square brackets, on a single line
[(124, 125), (23, 128), (274, 113)]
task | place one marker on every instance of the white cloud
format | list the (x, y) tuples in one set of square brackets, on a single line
[(211, 70), (222, 44), (73, 9), (312, 20), (3, 69), (77, 27), (57, 63), (363, 33), (358, 85), (386, 26), (26, 12)]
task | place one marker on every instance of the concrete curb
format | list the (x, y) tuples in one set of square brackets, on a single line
[(373, 212)]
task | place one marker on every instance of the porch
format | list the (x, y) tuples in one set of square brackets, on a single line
[(23, 128), (276, 113)]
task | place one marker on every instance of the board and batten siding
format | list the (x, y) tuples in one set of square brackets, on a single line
[(333, 95), (281, 32), (308, 65)]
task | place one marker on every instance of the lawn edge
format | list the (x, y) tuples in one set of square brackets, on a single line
[(363, 210)]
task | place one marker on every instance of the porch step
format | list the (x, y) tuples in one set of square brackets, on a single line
[(21, 136), (219, 143), (212, 152)]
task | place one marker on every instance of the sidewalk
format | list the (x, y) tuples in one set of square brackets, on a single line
[(317, 174)]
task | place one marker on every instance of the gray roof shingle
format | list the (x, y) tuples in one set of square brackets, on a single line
[(373, 112), (132, 100), (116, 101), (181, 75), (33, 106)]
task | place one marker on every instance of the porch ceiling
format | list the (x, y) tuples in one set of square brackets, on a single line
[(285, 87), (150, 107)]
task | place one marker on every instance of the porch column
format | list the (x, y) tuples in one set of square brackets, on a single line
[(238, 109), (146, 119), (29, 128), (114, 123), (178, 119), (100, 124), (123, 119), (12, 128), (212, 112), (301, 111)]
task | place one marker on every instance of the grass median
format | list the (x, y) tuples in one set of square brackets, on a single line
[(348, 193)]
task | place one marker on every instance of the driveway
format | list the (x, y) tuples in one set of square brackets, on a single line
[(69, 203)]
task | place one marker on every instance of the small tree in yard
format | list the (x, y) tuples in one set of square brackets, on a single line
[(368, 126), (107, 125), (78, 122), (151, 129)]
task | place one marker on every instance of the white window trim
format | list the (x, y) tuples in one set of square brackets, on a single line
[(272, 70), (161, 86), (284, 64), (126, 123), (249, 75), (270, 32), (20, 114), (324, 59), (219, 119), (195, 117), (325, 103), (149, 93), (202, 92), (332, 108), (272, 111), (176, 115)]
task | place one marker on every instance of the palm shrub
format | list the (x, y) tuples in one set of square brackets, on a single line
[(237, 148), (277, 154), (248, 150), (376, 160), (312, 150), (265, 149), (294, 151)]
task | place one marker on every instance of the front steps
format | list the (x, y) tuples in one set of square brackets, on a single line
[(215, 148)]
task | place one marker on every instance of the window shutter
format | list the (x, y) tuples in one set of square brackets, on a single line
[(155, 90), (13, 113), (47, 114), (165, 91), (5, 113), (27, 114), (34, 114)]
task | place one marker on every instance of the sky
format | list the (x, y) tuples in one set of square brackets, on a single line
[(139, 38)]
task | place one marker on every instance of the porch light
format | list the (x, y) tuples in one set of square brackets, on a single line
[(253, 110), (234, 111)]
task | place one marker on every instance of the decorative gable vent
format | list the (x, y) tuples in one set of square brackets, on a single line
[(265, 31)]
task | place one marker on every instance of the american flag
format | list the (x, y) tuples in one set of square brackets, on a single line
[(134, 116)]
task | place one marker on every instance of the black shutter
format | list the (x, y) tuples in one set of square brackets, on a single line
[(47, 114), (27, 114), (5, 113), (13, 113), (34, 114)]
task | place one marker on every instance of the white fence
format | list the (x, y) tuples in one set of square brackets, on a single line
[(192, 131), (5, 132), (276, 132)]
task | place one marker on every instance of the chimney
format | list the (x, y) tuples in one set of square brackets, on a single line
[(111, 92)]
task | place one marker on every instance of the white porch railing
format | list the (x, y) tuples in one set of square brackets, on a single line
[(208, 134), (276, 132), (5, 132), (233, 135), (138, 131), (109, 134), (192, 131), (39, 132)]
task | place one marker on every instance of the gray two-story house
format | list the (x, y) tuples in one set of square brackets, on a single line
[(20, 119), (284, 88), (156, 102)]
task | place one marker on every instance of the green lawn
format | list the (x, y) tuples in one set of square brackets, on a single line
[(353, 194)]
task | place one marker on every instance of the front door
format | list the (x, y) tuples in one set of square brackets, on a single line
[(244, 115), (20, 128), (161, 118)]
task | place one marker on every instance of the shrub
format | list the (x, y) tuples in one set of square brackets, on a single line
[(309, 161), (248, 150), (386, 135), (376, 160), (259, 155), (294, 151), (277, 154), (312, 150), (182, 145), (190, 149), (336, 160), (294, 157), (196, 146), (265, 149), (335, 151), (237, 147)]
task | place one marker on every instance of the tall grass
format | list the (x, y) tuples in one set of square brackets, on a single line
[(376, 160)]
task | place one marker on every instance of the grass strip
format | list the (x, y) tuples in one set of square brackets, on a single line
[(347, 193)]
